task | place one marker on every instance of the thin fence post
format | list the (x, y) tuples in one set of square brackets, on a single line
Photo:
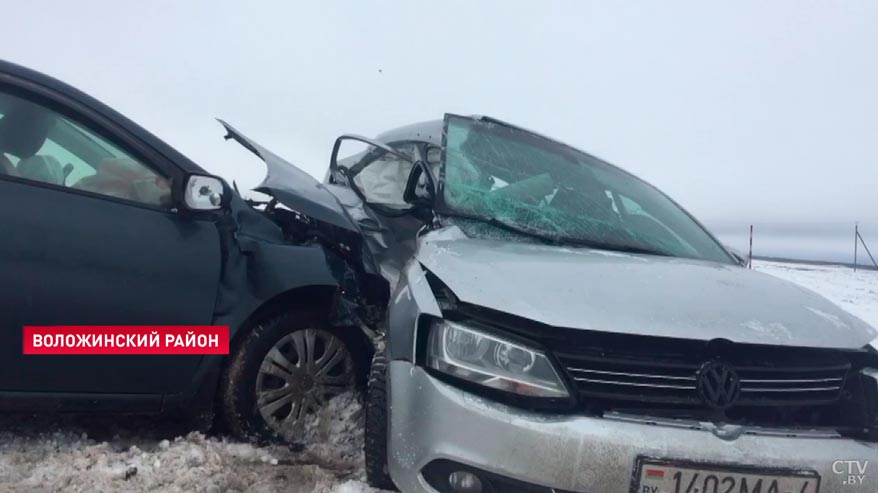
[(750, 259), (856, 243), (866, 247)]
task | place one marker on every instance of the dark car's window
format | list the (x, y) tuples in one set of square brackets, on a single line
[(535, 185), (40, 145)]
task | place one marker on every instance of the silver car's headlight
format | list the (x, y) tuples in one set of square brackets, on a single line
[(492, 361)]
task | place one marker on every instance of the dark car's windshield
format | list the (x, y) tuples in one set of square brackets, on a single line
[(528, 183)]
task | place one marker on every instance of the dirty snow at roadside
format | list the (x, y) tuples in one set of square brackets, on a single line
[(46, 454)]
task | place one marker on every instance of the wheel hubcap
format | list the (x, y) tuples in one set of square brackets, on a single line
[(300, 373)]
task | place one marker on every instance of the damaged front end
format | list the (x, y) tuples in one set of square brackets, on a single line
[(305, 214), (564, 326), (511, 397), (712, 367)]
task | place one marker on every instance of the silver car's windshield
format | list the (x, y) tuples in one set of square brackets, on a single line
[(531, 184)]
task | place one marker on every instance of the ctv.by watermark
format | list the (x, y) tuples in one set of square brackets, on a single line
[(851, 472)]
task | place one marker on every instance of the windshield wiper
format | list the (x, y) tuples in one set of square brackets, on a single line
[(549, 240), (564, 240), (615, 247), (493, 221), (625, 248)]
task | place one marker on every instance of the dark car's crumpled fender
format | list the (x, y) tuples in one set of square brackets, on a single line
[(258, 266), (261, 265)]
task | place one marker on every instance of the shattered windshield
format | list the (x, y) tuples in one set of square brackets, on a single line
[(529, 184)]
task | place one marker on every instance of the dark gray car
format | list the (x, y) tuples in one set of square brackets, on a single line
[(105, 224)]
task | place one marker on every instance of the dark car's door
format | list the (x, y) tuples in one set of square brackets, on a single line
[(89, 236)]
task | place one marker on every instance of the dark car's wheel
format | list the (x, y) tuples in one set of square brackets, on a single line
[(375, 445), (284, 370)]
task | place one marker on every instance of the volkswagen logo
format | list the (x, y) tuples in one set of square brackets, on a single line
[(718, 385)]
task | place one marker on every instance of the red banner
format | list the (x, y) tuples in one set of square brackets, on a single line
[(126, 339)]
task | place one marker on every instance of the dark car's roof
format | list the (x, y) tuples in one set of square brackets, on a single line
[(429, 131), (8, 69)]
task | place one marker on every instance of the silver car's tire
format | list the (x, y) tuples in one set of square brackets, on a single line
[(375, 443)]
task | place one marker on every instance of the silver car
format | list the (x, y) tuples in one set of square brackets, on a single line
[(557, 324)]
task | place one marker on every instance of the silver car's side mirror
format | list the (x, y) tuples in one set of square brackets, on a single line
[(742, 259), (203, 193)]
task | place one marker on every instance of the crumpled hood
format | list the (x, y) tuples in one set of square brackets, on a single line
[(637, 294), (293, 187)]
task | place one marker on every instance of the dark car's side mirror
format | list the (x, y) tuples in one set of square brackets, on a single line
[(205, 193), (420, 188)]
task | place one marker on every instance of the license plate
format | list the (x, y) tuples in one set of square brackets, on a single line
[(658, 476)]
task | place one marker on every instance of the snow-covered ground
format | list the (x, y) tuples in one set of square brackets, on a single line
[(856, 292), (44, 454)]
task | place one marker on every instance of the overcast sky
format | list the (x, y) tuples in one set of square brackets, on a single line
[(742, 111)]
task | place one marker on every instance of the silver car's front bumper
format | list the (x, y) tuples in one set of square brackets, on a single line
[(432, 420)]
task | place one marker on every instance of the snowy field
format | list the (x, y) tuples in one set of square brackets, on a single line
[(43, 454), (856, 292)]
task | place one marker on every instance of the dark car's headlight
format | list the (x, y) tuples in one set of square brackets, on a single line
[(481, 357)]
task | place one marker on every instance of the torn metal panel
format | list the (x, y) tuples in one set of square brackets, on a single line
[(412, 298), (315, 218), (260, 264), (293, 187), (389, 241)]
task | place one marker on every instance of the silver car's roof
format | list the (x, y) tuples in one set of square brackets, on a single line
[(429, 131)]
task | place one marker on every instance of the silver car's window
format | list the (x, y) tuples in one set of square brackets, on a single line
[(494, 171), (382, 180)]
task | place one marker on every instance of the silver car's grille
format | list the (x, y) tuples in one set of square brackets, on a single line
[(772, 383), (792, 385), (624, 379), (663, 378)]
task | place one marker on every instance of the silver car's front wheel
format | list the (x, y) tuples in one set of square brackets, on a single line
[(300, 373)]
